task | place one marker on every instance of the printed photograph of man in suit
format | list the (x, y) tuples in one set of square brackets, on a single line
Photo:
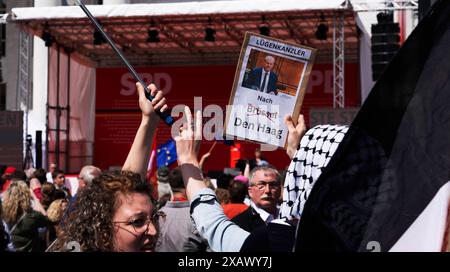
[(263, 79)]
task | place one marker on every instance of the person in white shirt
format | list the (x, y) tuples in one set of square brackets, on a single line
[(49, 176)]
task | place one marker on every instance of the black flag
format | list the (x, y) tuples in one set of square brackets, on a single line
[(395, 157)]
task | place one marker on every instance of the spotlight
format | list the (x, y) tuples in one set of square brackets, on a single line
[(322, 29), (264, 28), (210, 32), (153, 33), (98, 38), (125, 47), (47, 38), (153, 36)]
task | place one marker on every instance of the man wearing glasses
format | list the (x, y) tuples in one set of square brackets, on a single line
[(264, 191)]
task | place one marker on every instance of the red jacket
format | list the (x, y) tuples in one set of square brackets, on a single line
[(233, 209)]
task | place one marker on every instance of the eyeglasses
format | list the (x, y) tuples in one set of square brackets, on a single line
[(261, 185), (141, 225)]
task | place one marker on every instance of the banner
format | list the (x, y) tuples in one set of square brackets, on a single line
[(118, 114)]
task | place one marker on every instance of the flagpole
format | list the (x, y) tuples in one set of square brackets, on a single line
[(212, 147)]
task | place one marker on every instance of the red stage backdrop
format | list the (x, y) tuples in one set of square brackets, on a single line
[(118, 114)]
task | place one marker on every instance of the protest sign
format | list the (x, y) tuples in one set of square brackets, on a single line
[(270, 82)]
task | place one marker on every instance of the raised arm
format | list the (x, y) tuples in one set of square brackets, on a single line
[(296, 133), (203, 160), (247, 169), (188, 145), (139, 155), (36, 204), (211, 222)]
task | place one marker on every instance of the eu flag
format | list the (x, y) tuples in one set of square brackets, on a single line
[(166, 153)]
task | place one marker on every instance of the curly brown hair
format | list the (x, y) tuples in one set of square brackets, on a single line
[(55, 211), (90, 223), (16, 202), (48, 194)]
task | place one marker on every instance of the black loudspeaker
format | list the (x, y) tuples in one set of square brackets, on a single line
[(38, 149), (424, 6), (385, 42)]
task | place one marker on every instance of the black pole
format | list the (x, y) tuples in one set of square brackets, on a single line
[(38, 147), (58, 111), (68, 115), (47, 128), (164, 115)]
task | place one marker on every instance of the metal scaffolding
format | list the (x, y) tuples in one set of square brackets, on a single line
[(338, 60), (384, 5), (339, 39), (58, 110), (24, 93)]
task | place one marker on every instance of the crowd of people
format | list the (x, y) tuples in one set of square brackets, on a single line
[(183, 211), (33, 206)]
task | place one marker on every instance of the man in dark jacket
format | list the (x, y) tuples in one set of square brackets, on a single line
[(262, 78), (264, 191)]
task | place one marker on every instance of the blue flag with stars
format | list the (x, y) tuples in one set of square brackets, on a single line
[(166, 153)]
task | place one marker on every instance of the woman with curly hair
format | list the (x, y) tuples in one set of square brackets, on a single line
[(116, 212), (23, 214), (55, 214)]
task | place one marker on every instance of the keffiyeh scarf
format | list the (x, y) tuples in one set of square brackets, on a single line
[(315, 151)]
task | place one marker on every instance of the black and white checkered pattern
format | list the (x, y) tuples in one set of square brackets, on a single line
[(315, 151)]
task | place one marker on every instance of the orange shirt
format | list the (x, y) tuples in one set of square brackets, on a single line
[(233, 209)]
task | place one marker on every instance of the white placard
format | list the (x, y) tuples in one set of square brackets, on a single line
[(270, 82)]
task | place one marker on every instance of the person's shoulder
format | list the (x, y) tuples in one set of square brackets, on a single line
[(34, 217), (33, 214), (176, 205), (247, 213)]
